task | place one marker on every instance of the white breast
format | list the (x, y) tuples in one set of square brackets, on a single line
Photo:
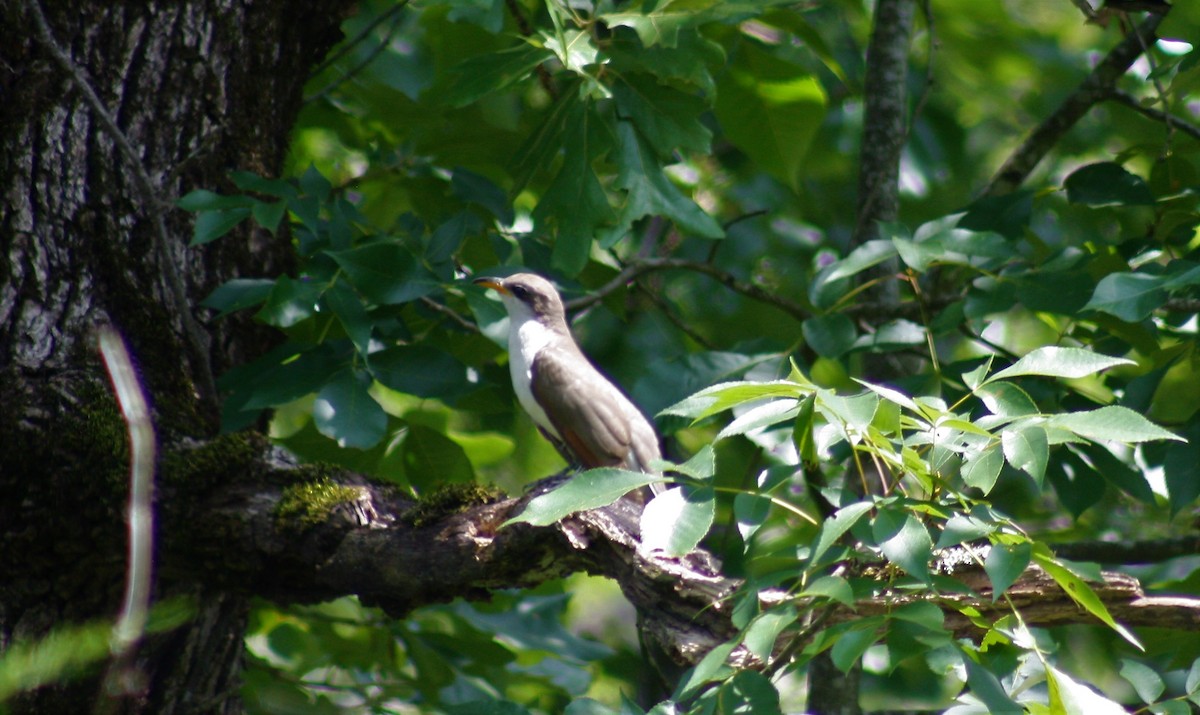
[(526, 337)]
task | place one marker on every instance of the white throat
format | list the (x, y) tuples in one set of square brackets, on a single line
[(526, 338)]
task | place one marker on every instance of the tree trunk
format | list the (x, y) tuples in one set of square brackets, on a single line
[(111, 111)]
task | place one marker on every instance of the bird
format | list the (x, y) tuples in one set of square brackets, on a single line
[(588, 418)]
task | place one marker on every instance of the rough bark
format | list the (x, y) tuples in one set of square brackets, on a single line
[(196, 89)]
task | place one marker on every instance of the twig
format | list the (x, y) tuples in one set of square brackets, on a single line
[(1096, 87), (131, 624), (668, 310), (1152, 551), (195, 337), (348, 74), (526, 30), (1122, 97), (449, 313), (362, 35), (649, 265)]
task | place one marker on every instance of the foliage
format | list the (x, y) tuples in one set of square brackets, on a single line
[(1043, 336)]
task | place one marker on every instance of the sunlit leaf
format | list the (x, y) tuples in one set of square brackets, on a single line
[(1113, 422), (1027, 448), (1148, 684), (1004, 564), (587, 490), (1072, 698), (676, 520), (1054, 361), (1080, 592)]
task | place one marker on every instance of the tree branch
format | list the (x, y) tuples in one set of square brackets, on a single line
[(1122, 97), (1095, 88), (641, 267), (371, 545), (1152, 551)]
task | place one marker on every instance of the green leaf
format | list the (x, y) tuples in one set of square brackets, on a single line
[(962, 527), (854, 642), (298, 373), (701, 465), (575, 201), (1004, 399), (1116, 423), (719, 398), (688, 62), (385, 272), (711, 667), (771, 110), (314, 183), (764, 415), (760, 636), (419, 370), (1132, 297), (290, 302), (1192, 685), (1107, 184), (834, 527), (487, 73), (1059, 362), (982, 469), (346, 413), (1148, 684), (908, 546), (249, 181), (653, 25), (830, 335), (205, 200), (1077, 484), (269, 214), (676, 520), (1118, 473), (1182, 467), (1007, 215), (667, 117), (211, 225), (1080, 592), (834, 588), (238, 294), (587, 490), (1027, 448), (347, 307), (447, 238), (751, 692), (650, 193), (1071, 698), (802, 431), (432, 459), (869, 254), (986, 686), (1004, 564), (66, 651), (477, 189)]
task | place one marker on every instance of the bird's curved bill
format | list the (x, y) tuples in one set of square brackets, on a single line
[(493, 283)]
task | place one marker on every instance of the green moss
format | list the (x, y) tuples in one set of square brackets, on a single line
[(211, 463), (451, 499), (309, 503)]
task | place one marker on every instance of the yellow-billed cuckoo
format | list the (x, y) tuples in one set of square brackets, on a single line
[(584, 414)]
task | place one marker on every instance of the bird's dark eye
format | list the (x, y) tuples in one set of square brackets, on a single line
[(520, 291)]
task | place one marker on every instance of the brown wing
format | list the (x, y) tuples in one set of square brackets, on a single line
[(584, 407)]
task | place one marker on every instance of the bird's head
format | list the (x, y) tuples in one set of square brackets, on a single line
[(527, 296)]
